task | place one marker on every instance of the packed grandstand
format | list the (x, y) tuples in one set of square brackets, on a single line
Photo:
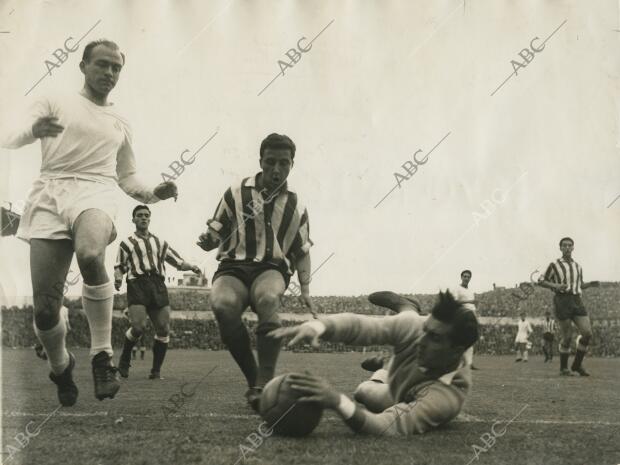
[(193, 326)]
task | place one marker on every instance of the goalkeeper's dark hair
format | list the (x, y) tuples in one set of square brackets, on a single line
[(464, 323)]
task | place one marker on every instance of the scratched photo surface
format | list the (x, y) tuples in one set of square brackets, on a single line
[(432, 137)]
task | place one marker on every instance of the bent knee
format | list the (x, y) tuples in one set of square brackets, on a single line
[(90, 257), (374, 396), (225, 304), (268, 302)]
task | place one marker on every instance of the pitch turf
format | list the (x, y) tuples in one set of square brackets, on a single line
[(561, 421)]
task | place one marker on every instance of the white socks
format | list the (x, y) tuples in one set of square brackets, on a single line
[(97, 301), (53, 341)]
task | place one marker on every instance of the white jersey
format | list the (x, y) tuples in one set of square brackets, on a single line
[(95, 144), (462, 294), (524, 329)]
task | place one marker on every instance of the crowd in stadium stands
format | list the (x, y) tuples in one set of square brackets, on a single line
[(601, 303), (495, 339)]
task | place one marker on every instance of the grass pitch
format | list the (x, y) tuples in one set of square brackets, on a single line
[(190, 418)]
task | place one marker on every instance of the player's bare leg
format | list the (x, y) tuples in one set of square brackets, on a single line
[(519, 350), (48, 289), (229, 299), (584, 328), (394, 301), (161, 323), (265, 296), (566, 332), (92, 231), (137, 318)]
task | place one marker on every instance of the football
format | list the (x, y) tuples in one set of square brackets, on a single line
[(282, 413)]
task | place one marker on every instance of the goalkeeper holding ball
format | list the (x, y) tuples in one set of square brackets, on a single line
[(426, 381)]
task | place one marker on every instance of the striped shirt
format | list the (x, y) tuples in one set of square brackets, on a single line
[(138, 256), (566, 272), (248, 226), (549, 326)]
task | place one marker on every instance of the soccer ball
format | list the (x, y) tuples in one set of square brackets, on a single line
[(282, 413)]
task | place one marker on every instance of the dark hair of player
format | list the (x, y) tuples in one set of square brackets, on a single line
[(463, 321), (91, 45), (567, 239), (466, 271), (277, 141), (139, 207)]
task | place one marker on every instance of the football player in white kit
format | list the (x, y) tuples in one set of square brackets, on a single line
[(86, 153), (522, 340), (467, 298)]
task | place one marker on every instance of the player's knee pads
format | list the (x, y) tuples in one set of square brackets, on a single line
[(265, 327)]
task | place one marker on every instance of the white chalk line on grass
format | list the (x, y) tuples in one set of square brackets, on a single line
[(462, 418)]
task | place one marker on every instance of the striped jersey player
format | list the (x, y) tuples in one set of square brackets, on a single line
[(142, 256), (564, 276), (262, 234)]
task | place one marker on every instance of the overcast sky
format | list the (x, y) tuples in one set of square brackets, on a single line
[(510, 173)]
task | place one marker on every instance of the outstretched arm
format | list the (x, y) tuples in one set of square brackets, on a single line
[(353, 329), (38, 123), (132, 185), (434, 405), (174, 259)]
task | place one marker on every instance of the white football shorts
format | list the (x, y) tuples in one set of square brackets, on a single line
[(53, 205)]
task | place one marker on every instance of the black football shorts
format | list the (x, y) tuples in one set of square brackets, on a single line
[(568, 306), (149, 290)]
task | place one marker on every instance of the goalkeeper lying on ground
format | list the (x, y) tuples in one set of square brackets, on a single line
[(426, 381)]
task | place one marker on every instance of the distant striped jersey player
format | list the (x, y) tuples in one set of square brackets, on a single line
[(566, 272), (549, 326), (247, 226), (138, 256)]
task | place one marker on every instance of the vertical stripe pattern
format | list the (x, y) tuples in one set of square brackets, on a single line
[(570, 273), (549, 326), (249, 226), (138, 256)]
